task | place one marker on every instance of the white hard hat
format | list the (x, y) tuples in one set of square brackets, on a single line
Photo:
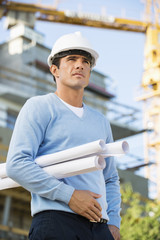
[(72, 41)]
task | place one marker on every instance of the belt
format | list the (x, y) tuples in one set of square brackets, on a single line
[(102, 220), (46, 212)]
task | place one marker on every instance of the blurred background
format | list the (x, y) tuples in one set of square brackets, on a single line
[(124, 85)]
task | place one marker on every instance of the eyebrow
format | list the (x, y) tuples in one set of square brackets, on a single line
[(76, 57)]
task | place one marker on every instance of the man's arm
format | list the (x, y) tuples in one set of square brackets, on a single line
[(27, 136), (113, 195)]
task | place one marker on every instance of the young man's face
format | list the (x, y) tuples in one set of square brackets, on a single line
[(73, 72)]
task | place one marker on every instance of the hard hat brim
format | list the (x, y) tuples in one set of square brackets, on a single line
[(93, 53)]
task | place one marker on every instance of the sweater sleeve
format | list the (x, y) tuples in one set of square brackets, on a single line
[(27, 136), (112, 187)]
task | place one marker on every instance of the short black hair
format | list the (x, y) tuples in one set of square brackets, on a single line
[(56, 61)]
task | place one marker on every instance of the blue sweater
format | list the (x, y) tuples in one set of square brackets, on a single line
[(46, 125)]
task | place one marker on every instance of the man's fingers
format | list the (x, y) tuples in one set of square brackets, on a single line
[(95, 216), (98, 206), (94, 195), (96, 211), (90, 215)]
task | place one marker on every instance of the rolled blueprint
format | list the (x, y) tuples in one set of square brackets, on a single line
[(76, 167), (6, 183), (65, 155), (72, 153), (3, 173), (90, 149), (64, 169), (115, 149)]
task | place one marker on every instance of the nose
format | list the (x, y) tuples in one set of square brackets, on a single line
[(79, 64)]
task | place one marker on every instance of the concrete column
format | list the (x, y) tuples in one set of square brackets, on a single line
[(6, 212)]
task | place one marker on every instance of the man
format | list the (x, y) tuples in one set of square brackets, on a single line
[(85, 206)]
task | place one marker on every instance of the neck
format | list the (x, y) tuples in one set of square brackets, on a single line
[(73, 98)]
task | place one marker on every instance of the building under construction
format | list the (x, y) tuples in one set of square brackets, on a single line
[(28, 75)]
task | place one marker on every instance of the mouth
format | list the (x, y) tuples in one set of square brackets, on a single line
[(78, 74)]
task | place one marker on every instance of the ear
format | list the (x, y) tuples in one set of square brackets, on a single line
[(54, 71)]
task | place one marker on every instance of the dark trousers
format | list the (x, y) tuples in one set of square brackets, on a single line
[(59, 225)]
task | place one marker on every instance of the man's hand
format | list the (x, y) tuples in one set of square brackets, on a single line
[(84, 203), (115, 232)]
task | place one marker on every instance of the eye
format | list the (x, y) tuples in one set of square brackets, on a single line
[(71, 59), (87, 61)]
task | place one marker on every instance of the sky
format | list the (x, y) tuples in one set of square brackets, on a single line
[(121, 53)]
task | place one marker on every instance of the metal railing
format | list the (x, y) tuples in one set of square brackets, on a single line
[(9, 232)]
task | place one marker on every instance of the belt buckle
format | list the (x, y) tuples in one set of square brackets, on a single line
[(102, 220)]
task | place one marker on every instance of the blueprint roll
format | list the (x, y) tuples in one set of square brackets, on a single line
[(97, 148), (65, 169), (84, 150), (116, 149), (76, 167), (3, 173), (6, 183)]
